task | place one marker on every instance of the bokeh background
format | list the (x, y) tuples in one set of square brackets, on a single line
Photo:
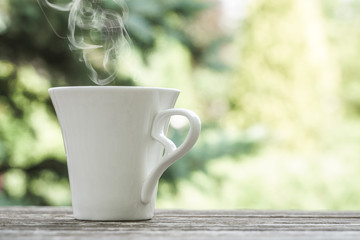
[(275, 82)]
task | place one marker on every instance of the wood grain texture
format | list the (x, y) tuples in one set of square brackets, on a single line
[(58, 223)]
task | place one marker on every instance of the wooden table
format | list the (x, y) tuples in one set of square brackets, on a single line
[(58, 223)]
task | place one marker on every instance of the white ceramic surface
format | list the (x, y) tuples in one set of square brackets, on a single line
[(114, 138)]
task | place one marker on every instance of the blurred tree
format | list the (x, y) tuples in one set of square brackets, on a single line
[(293, 88), (287, 78), (344, 31), (33, 58), (296, 82)]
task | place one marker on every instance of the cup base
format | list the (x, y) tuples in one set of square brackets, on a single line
[(112, 220), (112, 217), (116, 219)]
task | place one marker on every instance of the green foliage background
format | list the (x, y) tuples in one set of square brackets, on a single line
[(277, 91)]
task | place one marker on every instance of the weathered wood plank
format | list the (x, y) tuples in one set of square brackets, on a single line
[(58, 223)]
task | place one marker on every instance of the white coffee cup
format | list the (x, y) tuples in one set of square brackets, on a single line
[(114, 140)]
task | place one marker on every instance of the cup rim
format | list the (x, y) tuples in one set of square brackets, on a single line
[(114, 87)]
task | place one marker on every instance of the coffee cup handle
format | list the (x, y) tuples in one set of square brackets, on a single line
[(172, 153)]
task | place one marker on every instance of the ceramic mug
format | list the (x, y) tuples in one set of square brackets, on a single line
[(116, 147)]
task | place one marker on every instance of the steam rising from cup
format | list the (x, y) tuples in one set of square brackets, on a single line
[(97, 32)]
